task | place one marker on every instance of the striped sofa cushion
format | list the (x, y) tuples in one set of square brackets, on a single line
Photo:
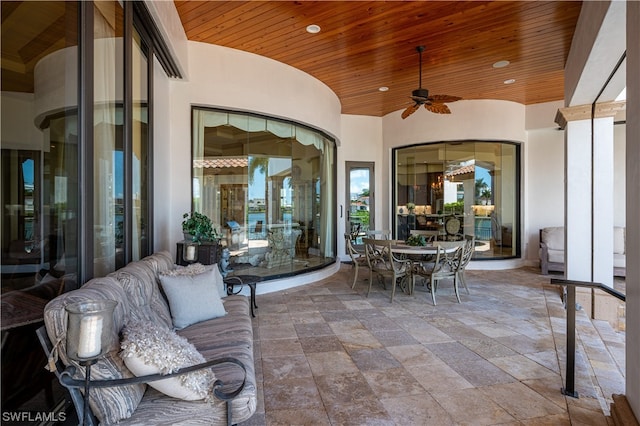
[(109, 405), (229, 336), (140, 282)]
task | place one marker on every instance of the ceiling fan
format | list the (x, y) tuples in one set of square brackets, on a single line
[(420, 96)]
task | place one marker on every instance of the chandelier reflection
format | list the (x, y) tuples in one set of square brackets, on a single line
[(436, 187)]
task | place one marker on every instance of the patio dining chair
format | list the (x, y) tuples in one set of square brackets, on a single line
[(357, 255), (446, 265), (385, 264), (380, 234), (468, 249), (429, 236)]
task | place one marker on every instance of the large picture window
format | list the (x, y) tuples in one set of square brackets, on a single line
[(268, 186), (460, 188), (77, 80)]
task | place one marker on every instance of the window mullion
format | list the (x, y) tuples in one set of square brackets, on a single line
[(127, 109), (85, 147)]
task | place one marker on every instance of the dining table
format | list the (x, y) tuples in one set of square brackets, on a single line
[(419, 254), (430, 249)]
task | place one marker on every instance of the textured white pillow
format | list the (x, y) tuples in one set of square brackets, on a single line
[(554, 237), (148, 348), (192, 298)]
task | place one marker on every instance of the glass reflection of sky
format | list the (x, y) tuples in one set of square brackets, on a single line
[(359, 180), (27, 172)]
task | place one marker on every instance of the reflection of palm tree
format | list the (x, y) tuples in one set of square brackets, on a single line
[(481, 186), (259, 164)]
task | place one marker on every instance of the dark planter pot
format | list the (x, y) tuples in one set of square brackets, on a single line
[(208, 253)]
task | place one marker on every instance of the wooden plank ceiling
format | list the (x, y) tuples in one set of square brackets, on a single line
[(362, 45), (366, 45)]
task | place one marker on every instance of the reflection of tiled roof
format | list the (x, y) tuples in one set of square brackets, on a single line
[(463, 170), (219, 163)]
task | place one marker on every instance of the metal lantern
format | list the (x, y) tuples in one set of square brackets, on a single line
[(89, 329), (190, 251)]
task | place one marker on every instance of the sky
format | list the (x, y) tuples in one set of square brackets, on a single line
[(359, 182), (27, 171)]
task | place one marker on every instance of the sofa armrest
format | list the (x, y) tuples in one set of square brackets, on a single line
[(66, 378)]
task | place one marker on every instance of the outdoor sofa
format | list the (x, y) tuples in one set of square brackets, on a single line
[(552, 250), (145, 290)]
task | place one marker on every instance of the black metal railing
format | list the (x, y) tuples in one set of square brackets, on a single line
[(570, 305)]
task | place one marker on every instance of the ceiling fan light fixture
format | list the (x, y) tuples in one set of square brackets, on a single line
[(420, 96), (501, 64), (313, 29), (383, 89), (510, 81)]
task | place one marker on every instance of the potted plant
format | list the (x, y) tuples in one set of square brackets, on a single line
[(416, 240), (198, 227)]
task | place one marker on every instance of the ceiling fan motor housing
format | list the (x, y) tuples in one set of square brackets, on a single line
[(420, 93)]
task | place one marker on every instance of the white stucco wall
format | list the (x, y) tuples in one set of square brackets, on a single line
[(241, 81), (544, 192), (543, 174), (490, 120), (361, 141), (472, 119)]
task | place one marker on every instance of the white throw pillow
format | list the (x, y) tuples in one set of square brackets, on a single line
[(192, 298), (148, 348), (554, 237), (198, 268)]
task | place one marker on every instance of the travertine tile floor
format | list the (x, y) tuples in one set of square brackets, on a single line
[(328, 355)]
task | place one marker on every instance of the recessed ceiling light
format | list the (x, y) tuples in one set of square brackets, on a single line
[(383, 89), (313, 29), (501, 64), (510, 81)]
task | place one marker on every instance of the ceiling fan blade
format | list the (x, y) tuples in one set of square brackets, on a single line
[(407, 112), (438, 108), (444, 98)]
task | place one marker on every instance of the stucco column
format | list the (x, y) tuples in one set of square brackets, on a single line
[(578, 214), (589, 191), (603, 191)]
